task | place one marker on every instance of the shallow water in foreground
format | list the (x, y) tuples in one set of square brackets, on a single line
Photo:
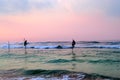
[(104, 62)]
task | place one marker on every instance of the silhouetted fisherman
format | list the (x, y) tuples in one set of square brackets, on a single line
[(25, 43), (73, 44)]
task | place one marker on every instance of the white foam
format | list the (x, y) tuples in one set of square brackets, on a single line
[(65, 77)]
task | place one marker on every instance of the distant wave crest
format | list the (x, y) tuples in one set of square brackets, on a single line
[(63, 45)]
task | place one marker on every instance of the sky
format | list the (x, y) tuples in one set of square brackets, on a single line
[(59, 20)]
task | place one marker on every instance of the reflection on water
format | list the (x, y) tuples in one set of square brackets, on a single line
[(100, 61), (73, 56), (73, 59), (25, 61), (25, 51)]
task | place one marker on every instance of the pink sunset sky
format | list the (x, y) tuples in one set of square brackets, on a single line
[(59, 20)]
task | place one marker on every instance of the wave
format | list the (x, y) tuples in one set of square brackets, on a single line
[(45, 72), (67, 74), (104, 61), (83, 60), (59, 61), (63, 45), (41, 74)]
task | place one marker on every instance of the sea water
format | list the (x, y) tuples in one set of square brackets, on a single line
[(91, 57)]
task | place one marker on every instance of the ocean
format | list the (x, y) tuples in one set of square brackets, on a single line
[(89, 58)]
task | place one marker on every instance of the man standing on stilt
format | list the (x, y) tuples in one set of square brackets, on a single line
[(25, 43), (73, 44)]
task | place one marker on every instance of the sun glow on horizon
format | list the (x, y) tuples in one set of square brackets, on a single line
[(59, 20)]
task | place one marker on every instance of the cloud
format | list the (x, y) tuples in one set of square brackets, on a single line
[(108, 7), (13, 6), (42, 4), (114, 8)]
